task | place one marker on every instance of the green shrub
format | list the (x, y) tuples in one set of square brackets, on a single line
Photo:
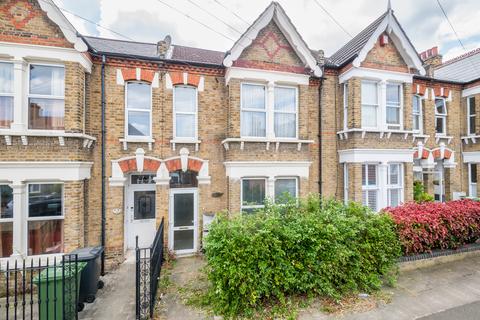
[(314, 247), (419, 194)]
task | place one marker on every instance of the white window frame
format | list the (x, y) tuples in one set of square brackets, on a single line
[(242, 206), (175, 112), (398, 126), (366, 187), (469, 116), (345, 106), (41, 96), (242, 109), (132, 137), (285, 112), (399, 186), (378, 105), (472, 185), (419, 114), (442, 116), (285, 178), (10, 94)]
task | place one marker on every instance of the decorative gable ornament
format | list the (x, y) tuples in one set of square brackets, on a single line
[(274, 11)]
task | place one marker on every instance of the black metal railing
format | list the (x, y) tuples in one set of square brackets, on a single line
[(39, 288), (148, 267)]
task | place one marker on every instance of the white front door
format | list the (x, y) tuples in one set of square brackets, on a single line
[(140, 213), (183, 220)]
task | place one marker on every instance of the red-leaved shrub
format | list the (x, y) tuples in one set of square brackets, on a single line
[(423, 227)]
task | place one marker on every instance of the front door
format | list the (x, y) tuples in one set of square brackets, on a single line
[(140, 217), (183, 220), (439, 182)]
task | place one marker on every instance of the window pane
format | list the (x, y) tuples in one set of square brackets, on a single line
[(181, 179), (372, 199), (393, 174), (369, 116), (6, 111), (393, 94), (45, 237), (393, 197), (6, 78), (185, 125), (471, 106), (45, 200), (138, 95), (439, 127), (6, 239), (253, 124), (253, 96), (369, 93), (473, 173), (253, 191), (139, 123), (185, 99), (416, 122), (471, 124), (393, 115), (46, 114), (285, 99), (372, 175), (416, 104), (285, 188), (46, 80), (184, 209), (6, 202), (285, 125), (440, 106), (144, 205)]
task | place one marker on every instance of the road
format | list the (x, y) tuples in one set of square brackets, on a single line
[(469, 311)]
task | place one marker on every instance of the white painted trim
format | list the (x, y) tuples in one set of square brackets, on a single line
[(19, 171), (240, 169), (471, 91), (277, 77), (375, 75), (149, 111), (174, 124), (275, 12), (375, 155)]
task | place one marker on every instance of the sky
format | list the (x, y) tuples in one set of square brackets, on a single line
[(152, 20)]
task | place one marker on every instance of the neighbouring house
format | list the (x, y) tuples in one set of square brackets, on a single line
[(181, 133)]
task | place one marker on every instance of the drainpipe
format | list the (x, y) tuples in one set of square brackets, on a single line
[(320, 90), (103, 165)]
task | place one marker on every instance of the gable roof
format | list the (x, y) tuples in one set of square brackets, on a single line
[(464, 68), (274, 11), (357, 49)]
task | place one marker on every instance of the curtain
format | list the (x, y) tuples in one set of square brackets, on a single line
[(185, 125), (6, 78), (253, 124), (58, 81), (285, 112)]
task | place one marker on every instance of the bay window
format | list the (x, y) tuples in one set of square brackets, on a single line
[(253, 194), (285, 108), (6, 94), (254, 113), (285, 188), (471, 116), (46, 97), (440, 116), (393, 106), (45, 218), (6, 221), (369, 110), (185, 112), (417, 114), (370, 186), (395, 184), (472, 180), (138, 111)]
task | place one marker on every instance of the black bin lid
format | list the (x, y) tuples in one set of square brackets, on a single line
[(88, 253)]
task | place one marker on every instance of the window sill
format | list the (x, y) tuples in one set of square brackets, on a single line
[(439, 137), (472, 138), (176, 141), (267, 141), (343, 135), (127, 140), (419, 136), (60, 134)]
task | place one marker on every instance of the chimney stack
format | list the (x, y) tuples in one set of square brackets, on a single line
[(164, 45), (431, 60), (320, 56)]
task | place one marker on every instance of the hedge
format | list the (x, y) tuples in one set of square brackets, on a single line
[(314, 247), (423, 227)]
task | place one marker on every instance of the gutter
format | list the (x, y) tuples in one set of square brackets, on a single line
[(320, 173), (103, 165)]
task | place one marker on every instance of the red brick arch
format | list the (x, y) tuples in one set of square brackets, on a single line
[(130, 165), (176, 164), (177, 78), (130, 74)]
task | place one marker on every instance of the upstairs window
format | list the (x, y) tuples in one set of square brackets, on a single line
[(440, 116), (369, 104), (254, 114), (138, 109), (417, 114), (185, 112), (285, 118), (46, 98), (393, 106), (345, 106), (471, 115), (370, 186), (6, 94)]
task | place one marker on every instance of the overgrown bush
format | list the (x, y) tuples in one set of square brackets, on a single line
[(314, 247), (419, 194), (422, 227)]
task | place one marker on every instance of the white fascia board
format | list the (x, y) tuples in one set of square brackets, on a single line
[(241, 169), (19, 171), (266, 76), (375, 74), (400, 40), (28, 52), (375, 155), (68, 30), (471, 91), (471, 157)]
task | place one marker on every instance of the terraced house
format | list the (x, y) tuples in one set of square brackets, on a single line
[(103, 138)]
